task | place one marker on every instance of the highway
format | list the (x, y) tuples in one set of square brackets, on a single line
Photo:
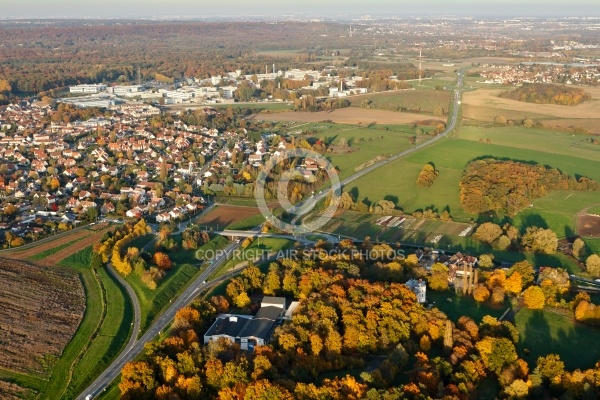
[(135, 347)]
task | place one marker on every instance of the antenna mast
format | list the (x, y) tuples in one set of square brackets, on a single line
[(350, 30), (139, 76)]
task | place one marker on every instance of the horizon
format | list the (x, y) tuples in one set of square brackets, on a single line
[(231, 9)]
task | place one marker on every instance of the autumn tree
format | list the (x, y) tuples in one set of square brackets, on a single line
[(481, 293), (550, 366), (162, 260), (578, 247), (539, 240), (534, 298), (427, 175), (514, 283), (488, 232), (526, 270), (592, 265), (486, 261)]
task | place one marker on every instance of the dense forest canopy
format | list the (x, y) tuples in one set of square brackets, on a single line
[(504, 185), (47, 56), (543, 93)]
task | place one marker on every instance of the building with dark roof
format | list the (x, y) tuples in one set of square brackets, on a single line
[(246, 330)]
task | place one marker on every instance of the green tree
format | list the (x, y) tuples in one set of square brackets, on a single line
[(550, 366)]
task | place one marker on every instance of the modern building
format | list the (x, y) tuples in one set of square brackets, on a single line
[(246, 330), (419, 288), (87, 88)]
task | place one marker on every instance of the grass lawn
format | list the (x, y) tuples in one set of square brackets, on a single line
[(255, 249), (111, 338), (464, 305), (264, 107), (543, 332), (248, 223), (593, 246), (152, 302), (141, 241)]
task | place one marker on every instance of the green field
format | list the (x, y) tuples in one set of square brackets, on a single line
[(365, 144), (557, 210), (265, 107), (412, 100), (248, 223), (543, 332), (464, 305)]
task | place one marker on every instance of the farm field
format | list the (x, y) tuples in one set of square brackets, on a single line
[(588, 225), (423, 101), (543, 332), (41, 310), (49, 245), (482, 101), (225, 215), (556, 210), (349, 115), (74, 248)]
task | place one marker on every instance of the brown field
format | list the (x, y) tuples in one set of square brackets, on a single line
[(227, 215), (588, 225), (40, 310), (350, 115), (74, 248), (11, 391), (483, 101), (31, 251)]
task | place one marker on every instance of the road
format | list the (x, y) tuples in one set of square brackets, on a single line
[(310, 203), (135, 347), (199, 284)]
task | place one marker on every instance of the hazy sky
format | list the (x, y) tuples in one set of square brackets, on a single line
[(198, 8)]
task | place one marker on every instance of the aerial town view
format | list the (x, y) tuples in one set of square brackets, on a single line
[(263, 200)]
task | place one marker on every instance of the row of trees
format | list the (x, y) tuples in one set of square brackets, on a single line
[(112, 246)]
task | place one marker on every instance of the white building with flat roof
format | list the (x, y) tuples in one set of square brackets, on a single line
[(419, 288), (95, 88)]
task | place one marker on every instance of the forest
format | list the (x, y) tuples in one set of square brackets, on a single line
[(542, 93), (492, 184), (353, 336), (56, 54)]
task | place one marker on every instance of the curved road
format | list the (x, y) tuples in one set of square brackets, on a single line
[(135, 347)]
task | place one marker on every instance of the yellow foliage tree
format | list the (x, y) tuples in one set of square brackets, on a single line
[(534, 298), (513, 283)]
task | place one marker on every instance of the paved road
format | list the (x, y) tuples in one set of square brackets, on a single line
[(135, 347), (310, 203)]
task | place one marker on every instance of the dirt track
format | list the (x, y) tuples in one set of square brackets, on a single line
[(588, 225)]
